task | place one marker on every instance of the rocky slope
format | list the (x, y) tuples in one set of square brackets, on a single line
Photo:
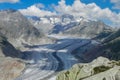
[(99, 69), (109, 47), (113, 36), (88, 29), (6, 49), (48, 24), (10, 64), (112, 46), (43, 26), (70, 25), (17, 28)]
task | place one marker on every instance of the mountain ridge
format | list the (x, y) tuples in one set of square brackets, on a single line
[(18, 29), (71, 25)]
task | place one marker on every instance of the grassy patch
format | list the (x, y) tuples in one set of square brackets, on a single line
[(100, 69)]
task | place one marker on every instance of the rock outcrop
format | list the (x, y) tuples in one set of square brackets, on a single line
[(10, 64), (10, 68), (99, 69), (7, 50)]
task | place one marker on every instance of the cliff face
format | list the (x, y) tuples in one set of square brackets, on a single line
[(6, 49), (10, 66)]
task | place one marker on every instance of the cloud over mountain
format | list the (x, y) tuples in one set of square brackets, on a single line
[(116, 4), (35, 10), (89, 11)]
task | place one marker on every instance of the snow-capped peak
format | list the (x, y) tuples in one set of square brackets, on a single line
[(61, 19)]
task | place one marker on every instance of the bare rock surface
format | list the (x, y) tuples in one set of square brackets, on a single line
[(10, 68), (19, 30), (99, 69), (10, 64)]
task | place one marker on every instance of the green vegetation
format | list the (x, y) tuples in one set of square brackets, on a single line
[(104, 78), (112, 49), (75, 73), (114, 45), (103, 34), (84, 71), (101, 69), (112, 36)]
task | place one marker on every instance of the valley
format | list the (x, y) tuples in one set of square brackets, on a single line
[(57, 47), (46, 61)]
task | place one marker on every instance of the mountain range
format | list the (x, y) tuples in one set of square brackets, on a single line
[(16, 30), (71, 25)]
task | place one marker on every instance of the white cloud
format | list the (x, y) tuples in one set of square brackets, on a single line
[(90, 11), (36, 11), (39, 5), (116, 4), (9, 1)]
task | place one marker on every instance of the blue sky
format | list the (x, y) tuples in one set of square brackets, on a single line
[(26, 3)]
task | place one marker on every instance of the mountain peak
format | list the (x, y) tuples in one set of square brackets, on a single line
[(8, 10)]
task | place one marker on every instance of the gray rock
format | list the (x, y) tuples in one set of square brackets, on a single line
[(6, 49), (117, 76), (99, 69), (17, 28), (89, 29), (11, 65)]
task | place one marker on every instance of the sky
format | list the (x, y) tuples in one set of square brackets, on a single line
[(107, 11)]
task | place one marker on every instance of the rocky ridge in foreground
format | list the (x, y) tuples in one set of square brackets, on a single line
[(99, 69)]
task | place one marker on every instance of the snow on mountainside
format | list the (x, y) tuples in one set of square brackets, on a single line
[(56, 19), (71, 25), (89, 29), (47, 23)]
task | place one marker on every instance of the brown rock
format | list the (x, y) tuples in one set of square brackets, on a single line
[(10, 69)]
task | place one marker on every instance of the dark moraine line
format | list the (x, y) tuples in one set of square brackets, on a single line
[(80, 59), (59, 68), (60, 62)]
